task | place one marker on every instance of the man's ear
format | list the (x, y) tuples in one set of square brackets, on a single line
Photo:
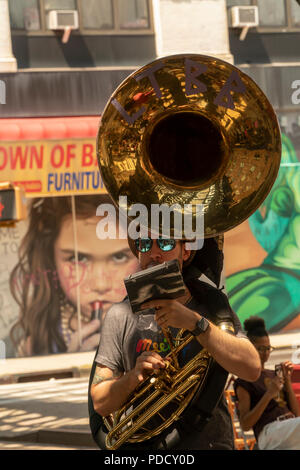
[(186, 253)]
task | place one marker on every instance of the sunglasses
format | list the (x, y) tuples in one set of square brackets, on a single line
[(263, 349), (143, 245)]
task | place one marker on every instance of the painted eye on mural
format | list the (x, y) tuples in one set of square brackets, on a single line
[(82, 258), (120, 257)]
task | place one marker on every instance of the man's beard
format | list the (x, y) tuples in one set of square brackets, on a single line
[(157, 263), (153, 263)]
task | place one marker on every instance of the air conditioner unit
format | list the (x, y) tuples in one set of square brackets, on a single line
[(244, 16), (62, 19)]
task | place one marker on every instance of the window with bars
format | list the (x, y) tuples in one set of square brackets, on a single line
[(281, 15), (95, 16)]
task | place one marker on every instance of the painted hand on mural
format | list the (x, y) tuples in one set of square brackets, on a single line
[(271, 290), (90, 336)]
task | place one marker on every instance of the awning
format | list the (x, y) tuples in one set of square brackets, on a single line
[(49, 128), (51, 156)]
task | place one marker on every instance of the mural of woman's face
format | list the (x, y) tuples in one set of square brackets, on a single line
[(102, 265)]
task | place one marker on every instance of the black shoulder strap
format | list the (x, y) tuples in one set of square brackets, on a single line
[(209, 395), (214, 299)]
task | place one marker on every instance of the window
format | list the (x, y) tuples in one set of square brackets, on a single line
[(270, 15), (295, 13), (60, 5), (95, 16), (234, 3), (25, 14), (133, 14), (274, 15)]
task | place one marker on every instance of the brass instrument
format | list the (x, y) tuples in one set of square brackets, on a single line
[(185, 129), (170, 386), (190, 129)]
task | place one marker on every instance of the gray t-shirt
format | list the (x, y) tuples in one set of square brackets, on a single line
[(126, 335)]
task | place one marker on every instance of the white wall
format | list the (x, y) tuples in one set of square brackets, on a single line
[(192, 26), (7, 60)]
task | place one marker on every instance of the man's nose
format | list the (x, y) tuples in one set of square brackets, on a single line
[(156, 252)]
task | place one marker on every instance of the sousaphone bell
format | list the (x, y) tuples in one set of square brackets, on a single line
[(190, 129)]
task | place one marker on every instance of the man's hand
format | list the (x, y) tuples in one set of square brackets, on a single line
[(237, 355), (146, 363), (110, 390), (170, 312)]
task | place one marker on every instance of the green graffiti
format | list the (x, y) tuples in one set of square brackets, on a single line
[(272, 290)]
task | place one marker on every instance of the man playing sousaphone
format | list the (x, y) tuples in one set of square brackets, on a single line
[(183, 130), (122, 363)]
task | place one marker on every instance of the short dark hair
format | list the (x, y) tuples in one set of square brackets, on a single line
[(255, 327)]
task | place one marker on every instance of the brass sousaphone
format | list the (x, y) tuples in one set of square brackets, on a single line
[(186, 129)]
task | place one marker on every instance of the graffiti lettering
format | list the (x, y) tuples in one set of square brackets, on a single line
[(234, 83), (192, 71), (150, 73), (7, 247), (50, 278), (125, 115), (8, 234)]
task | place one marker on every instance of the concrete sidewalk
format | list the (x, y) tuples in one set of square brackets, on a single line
[(52, 412), (43, 400)]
